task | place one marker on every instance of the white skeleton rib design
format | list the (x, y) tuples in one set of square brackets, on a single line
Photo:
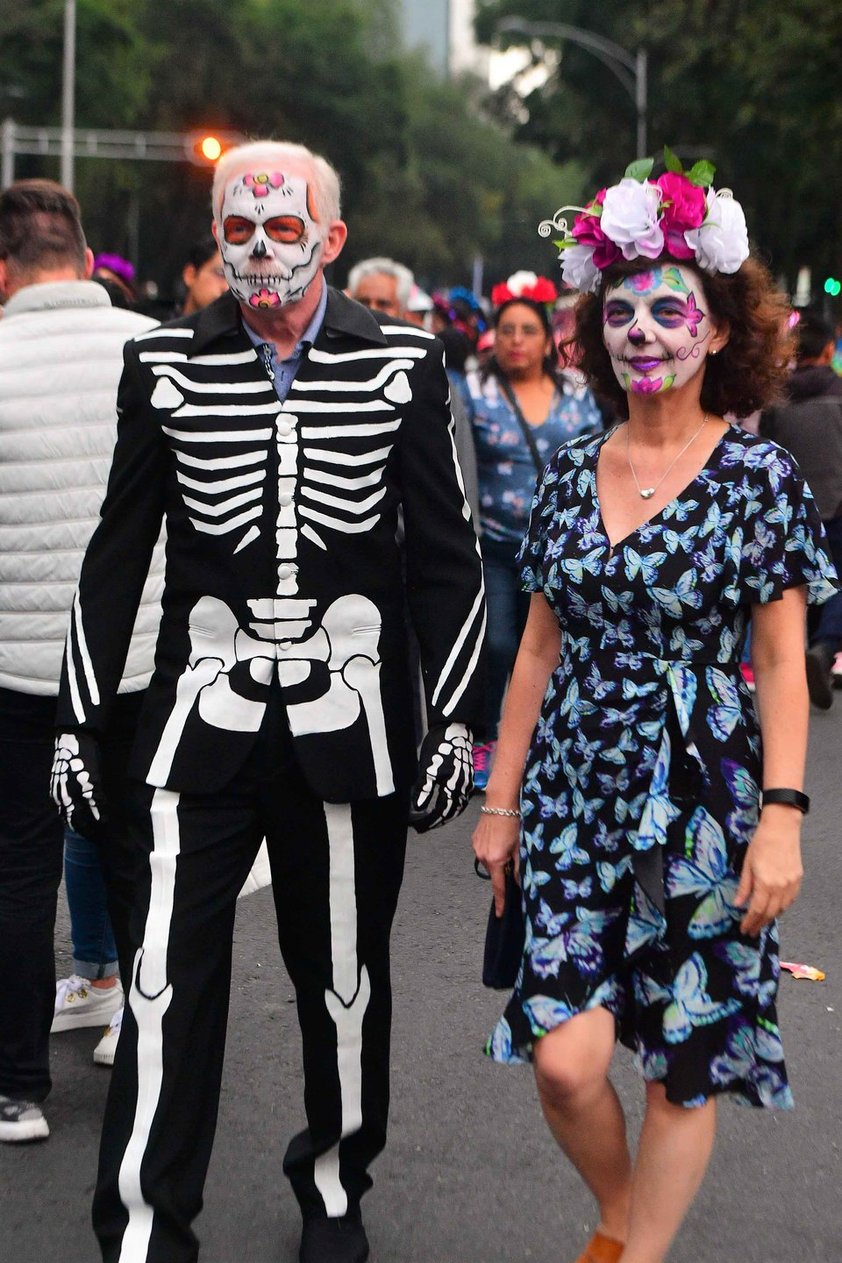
[(225, 493)]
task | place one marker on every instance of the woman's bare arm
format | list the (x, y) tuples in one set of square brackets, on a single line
[(772, 872), (495, 839)]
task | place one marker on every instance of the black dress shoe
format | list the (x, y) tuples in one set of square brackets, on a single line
[(820, 658), (341, 1240)]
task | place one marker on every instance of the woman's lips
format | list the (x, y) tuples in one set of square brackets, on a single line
[(644, 363)]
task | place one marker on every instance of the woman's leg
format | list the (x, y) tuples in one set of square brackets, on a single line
[(584, 1113), (674, 1151)]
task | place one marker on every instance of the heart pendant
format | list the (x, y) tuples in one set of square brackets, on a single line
[(647, 492)]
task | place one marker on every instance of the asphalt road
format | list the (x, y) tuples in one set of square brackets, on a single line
[(470, 1174)]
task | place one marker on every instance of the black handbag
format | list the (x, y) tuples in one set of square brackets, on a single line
[(504, 939)]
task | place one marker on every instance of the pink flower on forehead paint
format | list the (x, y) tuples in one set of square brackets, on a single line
[(263, 182), (683, 208)]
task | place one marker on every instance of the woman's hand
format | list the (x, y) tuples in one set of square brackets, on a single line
[(495, 842), (772, 872)]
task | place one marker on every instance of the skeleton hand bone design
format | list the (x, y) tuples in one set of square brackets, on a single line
[(447, 777), (75, 785)]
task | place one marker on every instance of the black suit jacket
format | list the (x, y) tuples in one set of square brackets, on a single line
[(282, 560)]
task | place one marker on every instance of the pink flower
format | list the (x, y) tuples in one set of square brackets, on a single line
[(647, 385), (587, 231), (264, 298), (683, 208), (263, 182)]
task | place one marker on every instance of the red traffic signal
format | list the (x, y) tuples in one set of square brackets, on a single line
[(204, 149)]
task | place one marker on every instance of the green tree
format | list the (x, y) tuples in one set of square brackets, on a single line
[(754, 87), (428, 176)]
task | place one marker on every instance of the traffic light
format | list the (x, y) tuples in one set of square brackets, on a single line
[(833, 287), (204, 149)]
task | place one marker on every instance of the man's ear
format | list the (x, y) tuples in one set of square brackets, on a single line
[(3, 279), (188, 274), (337, 235), (87, 272), (215, 231)]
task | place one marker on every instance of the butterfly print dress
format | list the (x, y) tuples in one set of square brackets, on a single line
[(640, 792)]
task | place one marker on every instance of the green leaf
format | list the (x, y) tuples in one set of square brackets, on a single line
[(640, 170), (702, 173), (672, 162)]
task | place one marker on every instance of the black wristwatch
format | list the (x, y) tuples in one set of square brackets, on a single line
[(787, 798)]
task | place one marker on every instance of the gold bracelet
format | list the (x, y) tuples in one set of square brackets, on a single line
[(499, 811)]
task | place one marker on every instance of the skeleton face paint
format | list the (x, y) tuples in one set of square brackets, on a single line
[(269, 237), (657, 329)]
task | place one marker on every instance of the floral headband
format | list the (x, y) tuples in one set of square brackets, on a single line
[(524, 285), (679, 214)]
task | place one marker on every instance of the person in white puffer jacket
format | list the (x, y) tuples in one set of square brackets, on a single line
[(61, 356)]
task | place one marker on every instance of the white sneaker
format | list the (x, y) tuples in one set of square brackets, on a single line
[(79, 1004), (107, 1046), (21, 1120)]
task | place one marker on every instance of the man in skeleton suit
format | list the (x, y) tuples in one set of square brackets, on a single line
[(279, 430)]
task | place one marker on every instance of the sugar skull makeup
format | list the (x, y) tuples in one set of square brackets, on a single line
[(269, 237), (657, 329)]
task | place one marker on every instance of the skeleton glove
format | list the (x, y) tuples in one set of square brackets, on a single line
[(446, 777), (76, 785)]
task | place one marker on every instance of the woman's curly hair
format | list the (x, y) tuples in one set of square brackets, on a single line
[(748, 373)]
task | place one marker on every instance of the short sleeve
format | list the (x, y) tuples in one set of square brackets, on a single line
[(533, 549), (784, 544)]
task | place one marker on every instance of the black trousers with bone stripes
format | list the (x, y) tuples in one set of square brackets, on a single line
[(336, 872)]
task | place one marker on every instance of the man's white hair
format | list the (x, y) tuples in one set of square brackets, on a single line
[(262, 155), (371, 267)]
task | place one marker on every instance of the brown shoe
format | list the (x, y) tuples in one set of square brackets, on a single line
[(601, 1249)]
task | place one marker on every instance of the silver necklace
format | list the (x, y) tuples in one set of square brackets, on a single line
[(646, 493)]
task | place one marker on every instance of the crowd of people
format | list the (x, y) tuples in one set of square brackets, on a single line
[(417, 546)]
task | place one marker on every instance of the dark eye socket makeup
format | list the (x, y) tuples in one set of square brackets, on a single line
[(667, 311), (285, 229), (238, 230)]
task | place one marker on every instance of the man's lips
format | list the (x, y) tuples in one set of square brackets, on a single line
[(644, 363)]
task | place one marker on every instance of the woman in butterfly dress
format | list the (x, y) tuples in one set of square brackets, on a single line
[(651, 878)]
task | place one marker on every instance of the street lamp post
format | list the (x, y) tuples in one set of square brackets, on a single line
[(68, 94), (630, 70)]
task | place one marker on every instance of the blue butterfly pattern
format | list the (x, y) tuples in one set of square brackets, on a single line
[(647, 693)]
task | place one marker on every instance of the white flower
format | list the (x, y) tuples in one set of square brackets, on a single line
[(630, 218), (721, 243), (579, 270), (519, 281)]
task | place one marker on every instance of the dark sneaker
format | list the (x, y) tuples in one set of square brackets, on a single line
[(21, 1120), (819, 683), (341, 1240)]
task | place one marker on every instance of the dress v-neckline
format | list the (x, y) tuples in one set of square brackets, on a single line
[(615, 545)]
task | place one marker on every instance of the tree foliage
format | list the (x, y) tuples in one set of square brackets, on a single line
[(755, 87), (427, 176)]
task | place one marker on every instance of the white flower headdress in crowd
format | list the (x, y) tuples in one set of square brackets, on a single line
[(679, 214)]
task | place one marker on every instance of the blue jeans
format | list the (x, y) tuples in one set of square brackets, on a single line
[(828, 624), (508, 607), (94, 950)]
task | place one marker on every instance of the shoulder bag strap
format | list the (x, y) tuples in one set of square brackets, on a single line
[(537, 460)]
